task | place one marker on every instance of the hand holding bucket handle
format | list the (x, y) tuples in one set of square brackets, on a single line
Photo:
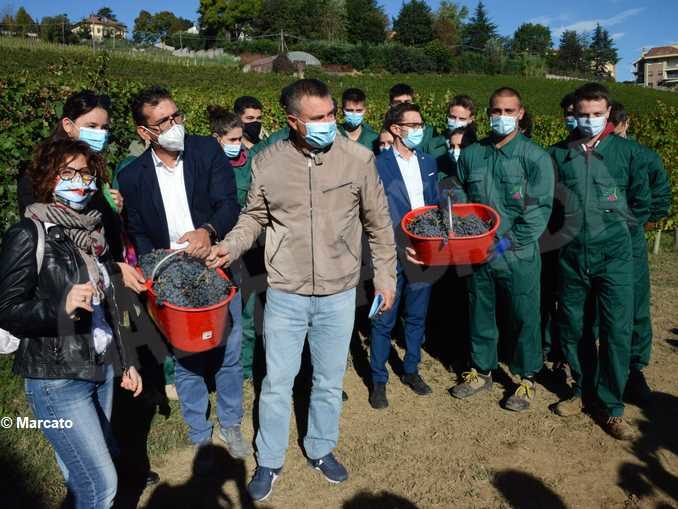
[(218, 257)]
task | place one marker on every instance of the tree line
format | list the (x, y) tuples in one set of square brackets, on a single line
[(450, 38)]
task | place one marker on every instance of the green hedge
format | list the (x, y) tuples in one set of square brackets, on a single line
[(30, 106), (396, 58)]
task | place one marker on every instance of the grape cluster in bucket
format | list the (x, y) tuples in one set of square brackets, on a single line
[(184, 281)]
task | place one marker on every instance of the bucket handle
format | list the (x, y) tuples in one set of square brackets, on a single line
[(157, 265)]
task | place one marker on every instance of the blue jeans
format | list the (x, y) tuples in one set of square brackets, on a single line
[(288, 318), (415, 309), (83, 451), (223, 363)]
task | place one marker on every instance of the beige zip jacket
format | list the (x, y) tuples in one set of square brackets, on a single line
[(315, 208)]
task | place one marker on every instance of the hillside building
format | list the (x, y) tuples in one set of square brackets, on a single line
[(100, 28), (658, 67)]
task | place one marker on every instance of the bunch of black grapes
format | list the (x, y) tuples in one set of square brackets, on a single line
[(435, 223), (184, 281)]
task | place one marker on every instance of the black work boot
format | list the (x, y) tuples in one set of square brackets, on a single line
[(415, 382), (378, 398)]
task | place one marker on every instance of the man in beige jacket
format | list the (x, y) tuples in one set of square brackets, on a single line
[(315, 193)]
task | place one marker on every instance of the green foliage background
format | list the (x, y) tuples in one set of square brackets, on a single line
[(35, 83)]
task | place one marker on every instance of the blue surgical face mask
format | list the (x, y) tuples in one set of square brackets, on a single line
[(320, 134), (74, 193), (95, 138), (591, 126), (353, 118), (414, 137), (570, 123), (232, 150), (503, 125), (453, 124)]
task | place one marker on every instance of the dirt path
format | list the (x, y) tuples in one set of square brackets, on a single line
[(438, 452)]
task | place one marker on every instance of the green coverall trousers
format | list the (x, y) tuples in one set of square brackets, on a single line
[(249, 336), (641, 338), (604, 275), (510, 283)]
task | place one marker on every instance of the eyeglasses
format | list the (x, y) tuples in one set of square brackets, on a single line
[(413, 125), (164, 124), (67, 174)]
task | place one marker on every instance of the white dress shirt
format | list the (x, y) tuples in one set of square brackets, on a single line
[(409, 169), (174, 199)]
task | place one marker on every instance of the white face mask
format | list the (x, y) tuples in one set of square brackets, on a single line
[(173, 138)]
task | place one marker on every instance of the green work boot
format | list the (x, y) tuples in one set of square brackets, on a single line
[(473, 383), (520, 400)]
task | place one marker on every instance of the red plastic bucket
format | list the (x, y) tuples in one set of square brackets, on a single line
[(458, 250), (191, 329)]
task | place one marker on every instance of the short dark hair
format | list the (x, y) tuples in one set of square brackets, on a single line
[(464, 101), (592, 92), (566, 102), (400, 89), (505, 92), (291, 95), (354, 95), (246, 101), (222, 121), (396, 113), (618, 114), (151, 95)]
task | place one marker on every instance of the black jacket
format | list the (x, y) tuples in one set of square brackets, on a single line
[(210, 189), (32, 307)]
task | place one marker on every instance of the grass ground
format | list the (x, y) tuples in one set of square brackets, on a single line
[(432, 452)]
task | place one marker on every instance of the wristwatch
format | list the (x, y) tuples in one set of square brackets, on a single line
[(210, 229)]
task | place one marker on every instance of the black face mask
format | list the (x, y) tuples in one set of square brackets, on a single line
[(252, 130)]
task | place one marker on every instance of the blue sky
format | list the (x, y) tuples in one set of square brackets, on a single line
[(634, 24)]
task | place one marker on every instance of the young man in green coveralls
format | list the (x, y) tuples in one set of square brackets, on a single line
[(637, 389), (513, 175), (250, 110), (354, 127), (606, 199)]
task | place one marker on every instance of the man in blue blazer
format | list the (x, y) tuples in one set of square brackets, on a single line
[(181, 194), (409, 178)]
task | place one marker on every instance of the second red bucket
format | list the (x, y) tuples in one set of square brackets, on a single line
[(458, 250)]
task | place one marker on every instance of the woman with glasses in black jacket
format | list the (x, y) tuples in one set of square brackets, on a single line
[(66, 317)]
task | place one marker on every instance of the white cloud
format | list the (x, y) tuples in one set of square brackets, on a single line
[(618, 35), (548, 19), (589, 24)]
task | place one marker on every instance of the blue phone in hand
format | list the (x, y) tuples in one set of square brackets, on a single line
[(376, 305)]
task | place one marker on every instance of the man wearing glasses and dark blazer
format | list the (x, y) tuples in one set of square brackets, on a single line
[(181, 194)]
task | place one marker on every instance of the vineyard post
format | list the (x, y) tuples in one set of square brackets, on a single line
[(657, 242)]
